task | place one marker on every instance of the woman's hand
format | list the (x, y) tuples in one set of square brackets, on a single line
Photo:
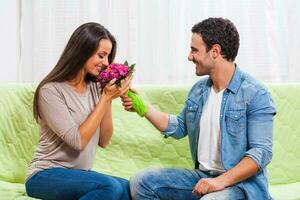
[(112, 91), (126, 84)]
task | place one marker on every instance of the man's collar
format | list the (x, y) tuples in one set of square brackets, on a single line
[(236, 80), (234, 83)]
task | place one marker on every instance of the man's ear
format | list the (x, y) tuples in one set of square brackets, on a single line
[(216, 51)]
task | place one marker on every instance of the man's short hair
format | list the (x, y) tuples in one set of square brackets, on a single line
[(219, 31)]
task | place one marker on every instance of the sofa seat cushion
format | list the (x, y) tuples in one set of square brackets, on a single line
[(286, 191), (10, 191)]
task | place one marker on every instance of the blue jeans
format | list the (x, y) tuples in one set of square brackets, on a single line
[(175, 184), (60, 183)]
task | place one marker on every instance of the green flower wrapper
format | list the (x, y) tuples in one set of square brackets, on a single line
[(138, 104), (120, 72)]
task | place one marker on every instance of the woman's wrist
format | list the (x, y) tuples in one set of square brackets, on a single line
[(106, 98)]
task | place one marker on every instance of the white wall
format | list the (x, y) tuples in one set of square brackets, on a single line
[(154, 34), (9, 41)]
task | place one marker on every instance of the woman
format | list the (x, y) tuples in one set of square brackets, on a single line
[(74, 119)]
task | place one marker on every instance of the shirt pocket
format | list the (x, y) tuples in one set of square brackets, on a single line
[(235, 122), (191, 110)]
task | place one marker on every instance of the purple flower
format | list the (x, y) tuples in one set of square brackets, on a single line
[(115, 70)]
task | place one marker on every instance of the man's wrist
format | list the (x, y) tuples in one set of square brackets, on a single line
[(223, 180)]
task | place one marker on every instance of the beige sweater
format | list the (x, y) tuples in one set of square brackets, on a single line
[(62, 111)]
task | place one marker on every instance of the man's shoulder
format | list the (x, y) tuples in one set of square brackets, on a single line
[(256, 94), (252, 84)]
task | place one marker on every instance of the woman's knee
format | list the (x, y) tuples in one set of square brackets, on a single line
[(115, 188)]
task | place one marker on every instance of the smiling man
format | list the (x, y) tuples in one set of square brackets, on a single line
[(228, 117)]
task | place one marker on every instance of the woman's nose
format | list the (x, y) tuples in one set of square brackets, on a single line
[(105, 62)]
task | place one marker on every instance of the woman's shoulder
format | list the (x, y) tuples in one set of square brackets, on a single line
[(50, 85), (52, 88)]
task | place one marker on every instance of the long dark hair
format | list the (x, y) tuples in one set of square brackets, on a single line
[(80, 47)]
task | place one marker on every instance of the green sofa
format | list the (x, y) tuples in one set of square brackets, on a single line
[(137, 145)]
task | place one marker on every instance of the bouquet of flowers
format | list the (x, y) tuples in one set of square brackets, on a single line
[(120, 72)]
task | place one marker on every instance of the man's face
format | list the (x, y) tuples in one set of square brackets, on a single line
[(199, 56)]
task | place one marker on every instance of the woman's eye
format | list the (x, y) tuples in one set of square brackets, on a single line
[(100, 56)]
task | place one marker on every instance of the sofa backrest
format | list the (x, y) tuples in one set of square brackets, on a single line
[(136, 144), (18, 131), (285, 164)]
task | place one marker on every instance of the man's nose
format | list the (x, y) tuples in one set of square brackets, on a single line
[(190, 57)]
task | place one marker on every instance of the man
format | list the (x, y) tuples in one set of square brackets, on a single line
[(228, 117)]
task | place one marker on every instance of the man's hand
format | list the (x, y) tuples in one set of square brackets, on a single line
[(127, 102), (207, 185)]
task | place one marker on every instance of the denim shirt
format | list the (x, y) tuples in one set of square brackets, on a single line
[(246, 121)]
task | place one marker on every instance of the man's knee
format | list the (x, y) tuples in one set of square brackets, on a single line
[(140, 183), (136, 182), (226, 194), (208, 197)]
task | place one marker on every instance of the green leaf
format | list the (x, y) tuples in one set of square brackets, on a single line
[(119, 84), (126, 63), (132, 66)]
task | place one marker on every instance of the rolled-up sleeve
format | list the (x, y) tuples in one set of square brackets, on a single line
[(55, 113), (176, 126), (260, 128)]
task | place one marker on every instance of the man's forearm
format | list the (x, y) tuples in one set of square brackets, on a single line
[(159, 119), (246, 168)]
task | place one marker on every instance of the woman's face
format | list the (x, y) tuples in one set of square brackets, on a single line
[(99, 59)]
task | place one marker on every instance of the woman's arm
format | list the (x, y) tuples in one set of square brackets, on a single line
[(89, 126), (102, 112), (106, 128)]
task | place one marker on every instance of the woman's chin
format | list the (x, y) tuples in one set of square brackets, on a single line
[(94, 73)]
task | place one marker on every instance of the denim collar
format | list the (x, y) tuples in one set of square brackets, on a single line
[(236, 80), (234, 83)]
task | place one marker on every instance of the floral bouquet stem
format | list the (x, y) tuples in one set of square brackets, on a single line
[(137, 103)]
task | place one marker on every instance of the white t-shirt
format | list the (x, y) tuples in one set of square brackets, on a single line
[(210, 134)]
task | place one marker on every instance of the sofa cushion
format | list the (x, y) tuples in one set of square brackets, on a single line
[(285, 165), (286, 191), (18, 131), (137, 145), (10, 191)]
